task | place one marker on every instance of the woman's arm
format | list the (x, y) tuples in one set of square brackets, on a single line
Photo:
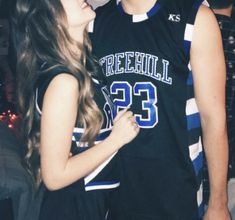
[(59, 115)]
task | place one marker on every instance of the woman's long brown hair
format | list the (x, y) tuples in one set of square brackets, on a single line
[(41, 35)]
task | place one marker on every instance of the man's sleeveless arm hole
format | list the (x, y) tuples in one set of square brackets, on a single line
[(188, 37), (188, 34)]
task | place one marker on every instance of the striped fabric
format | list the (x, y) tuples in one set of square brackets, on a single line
[(89, 180), (192, 113), (77, 133)]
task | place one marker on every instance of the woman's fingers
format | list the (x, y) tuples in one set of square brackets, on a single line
[(120, 114)]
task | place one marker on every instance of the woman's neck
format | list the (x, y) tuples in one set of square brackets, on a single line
[(77, 33)]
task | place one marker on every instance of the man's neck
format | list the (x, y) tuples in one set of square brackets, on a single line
[(226, 11), (137, 6)]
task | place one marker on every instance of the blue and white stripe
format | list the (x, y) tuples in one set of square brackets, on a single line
[(188, 35), (77, 133), (198, 3), (192, 112), (36, 103), (102, 185), (200, 202), (88, 180), (196, 155)]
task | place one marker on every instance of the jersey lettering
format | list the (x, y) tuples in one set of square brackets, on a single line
[(137, 63), (128, 93)]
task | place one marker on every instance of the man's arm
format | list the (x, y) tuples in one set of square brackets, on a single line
[(208, 65)]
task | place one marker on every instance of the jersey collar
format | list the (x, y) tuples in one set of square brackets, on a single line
[(139, 17)]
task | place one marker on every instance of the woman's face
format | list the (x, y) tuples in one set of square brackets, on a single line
[(78, 12)]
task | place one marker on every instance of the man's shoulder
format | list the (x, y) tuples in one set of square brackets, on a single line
[(185, 3), (187, 9)]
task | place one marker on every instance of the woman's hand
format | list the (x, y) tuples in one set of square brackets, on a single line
[(125, 128)]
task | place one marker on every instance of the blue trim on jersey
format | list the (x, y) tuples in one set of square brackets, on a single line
[(197, 4), (75, 149), (149, 14), (120, 8), (187, 46), (77, 136), (154, 10), (198, 163), (82, 149), (193, 121), (100, 137), (201, 209), (103, 135), (190, 79), (101, 183)]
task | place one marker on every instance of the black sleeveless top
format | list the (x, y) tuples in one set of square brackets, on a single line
[(87, 198), (146, 63)]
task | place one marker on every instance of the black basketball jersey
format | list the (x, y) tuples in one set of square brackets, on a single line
[(88, 197), (146, 62)]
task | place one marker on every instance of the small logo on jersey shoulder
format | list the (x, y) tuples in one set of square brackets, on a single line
[(174, 17)]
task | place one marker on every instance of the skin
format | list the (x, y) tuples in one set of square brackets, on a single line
[(58, 168), (207, 49), (79, 14), (226, 12), (210, 95), (137, 7)]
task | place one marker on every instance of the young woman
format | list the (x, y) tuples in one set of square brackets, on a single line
[(67, 110)]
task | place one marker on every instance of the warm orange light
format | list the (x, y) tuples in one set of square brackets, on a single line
[(9, 118)]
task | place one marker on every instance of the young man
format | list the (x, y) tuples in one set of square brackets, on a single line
[(164, 60), (223, 12)]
